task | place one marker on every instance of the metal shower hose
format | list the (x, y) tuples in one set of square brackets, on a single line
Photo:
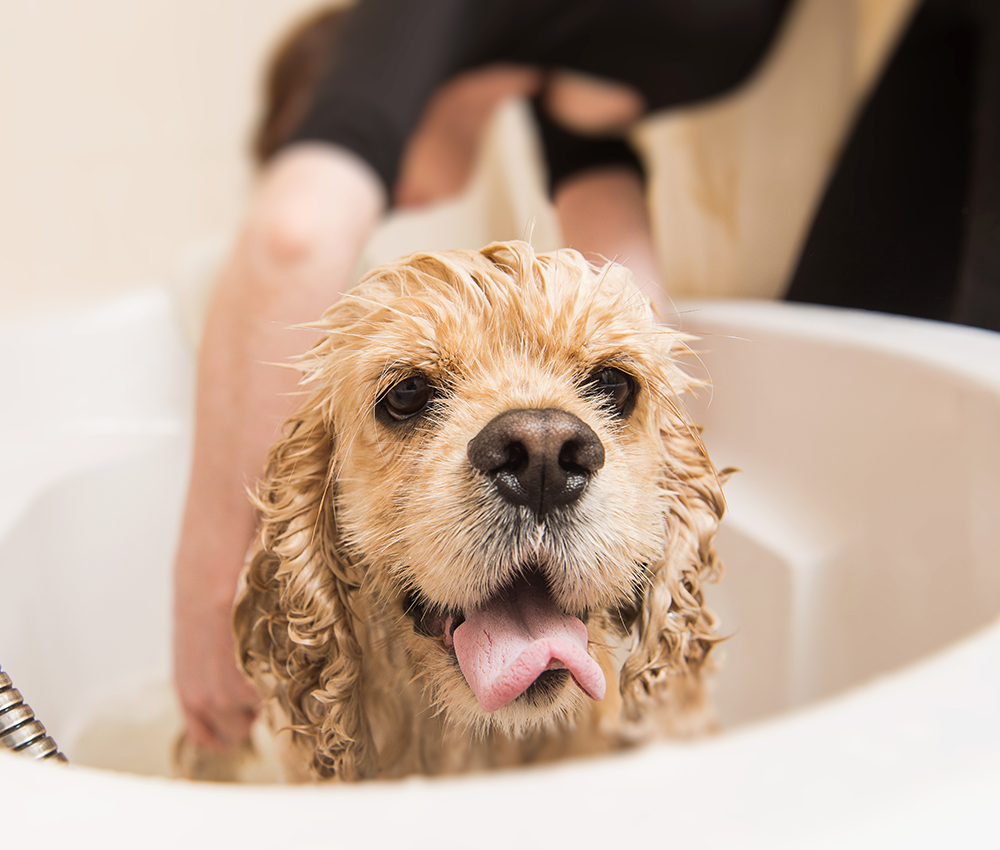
[(19, 731)]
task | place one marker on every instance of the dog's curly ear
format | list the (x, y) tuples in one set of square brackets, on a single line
[(296, 631), (662, 679)]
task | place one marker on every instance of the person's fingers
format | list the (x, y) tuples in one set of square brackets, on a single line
[(201, 733), (219, 730), (232, 728), (219, 705)]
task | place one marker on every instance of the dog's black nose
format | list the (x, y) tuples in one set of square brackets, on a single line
[(541, 459)]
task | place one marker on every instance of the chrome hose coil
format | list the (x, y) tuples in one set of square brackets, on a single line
[(19, 731)]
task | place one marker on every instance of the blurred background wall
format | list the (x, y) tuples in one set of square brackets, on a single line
[(124, 130)]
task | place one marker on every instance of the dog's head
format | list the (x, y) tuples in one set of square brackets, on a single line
[(494, 461)]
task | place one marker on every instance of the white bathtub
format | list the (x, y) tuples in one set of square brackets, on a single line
[(862, 685)]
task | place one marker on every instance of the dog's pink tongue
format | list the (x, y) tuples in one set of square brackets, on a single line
[(503, 647)]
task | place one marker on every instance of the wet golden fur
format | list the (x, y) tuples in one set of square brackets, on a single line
[(357, 512)]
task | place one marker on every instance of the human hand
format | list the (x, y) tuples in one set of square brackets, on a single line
[(217, 702)]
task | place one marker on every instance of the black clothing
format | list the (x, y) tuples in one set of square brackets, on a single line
[(392, 55), (910, 221)]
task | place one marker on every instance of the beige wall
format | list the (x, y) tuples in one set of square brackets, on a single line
[(123, 127)]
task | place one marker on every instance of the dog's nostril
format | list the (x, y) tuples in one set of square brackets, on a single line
[(537, 458), (516, 457), (582, 456)]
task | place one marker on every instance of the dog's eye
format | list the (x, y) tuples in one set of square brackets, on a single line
[(407, 398), (614, 389)]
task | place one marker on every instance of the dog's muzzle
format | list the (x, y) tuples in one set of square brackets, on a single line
[(541, 459), (517, 642)]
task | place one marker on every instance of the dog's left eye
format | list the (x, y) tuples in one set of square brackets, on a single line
[(614, 388), (407, 398)]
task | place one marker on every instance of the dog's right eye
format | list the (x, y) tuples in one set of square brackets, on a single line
[(407, 398), (614, 388)]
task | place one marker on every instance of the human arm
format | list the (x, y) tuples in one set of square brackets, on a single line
[(313, 211)]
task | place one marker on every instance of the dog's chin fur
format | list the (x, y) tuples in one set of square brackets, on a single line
[(378, 533)]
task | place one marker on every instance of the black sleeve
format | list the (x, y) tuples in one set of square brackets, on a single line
[(568, 154), (388, 60)]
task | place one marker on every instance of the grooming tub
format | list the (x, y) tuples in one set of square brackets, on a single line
[(860, 689)]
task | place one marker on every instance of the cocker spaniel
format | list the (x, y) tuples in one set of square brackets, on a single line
[(484, 534)]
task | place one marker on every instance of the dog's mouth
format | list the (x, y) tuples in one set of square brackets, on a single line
[(518, 643)]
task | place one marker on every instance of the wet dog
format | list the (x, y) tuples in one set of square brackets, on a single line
[(485, 533)]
